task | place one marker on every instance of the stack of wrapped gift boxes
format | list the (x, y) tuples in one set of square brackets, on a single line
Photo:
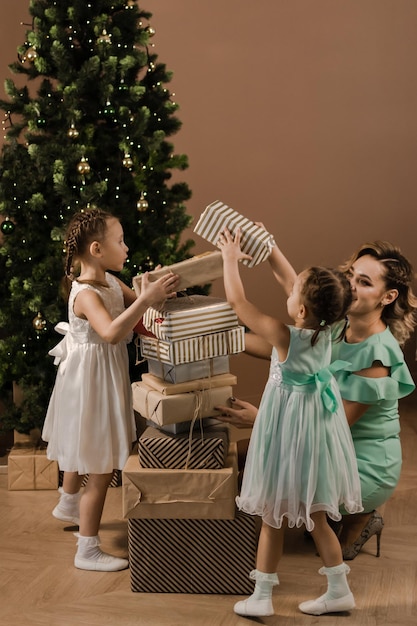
[(179, 489)]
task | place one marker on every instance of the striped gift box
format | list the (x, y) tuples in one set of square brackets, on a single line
[(255, 241), (190, 316), (195, 348), (199, 450), (192, 556)]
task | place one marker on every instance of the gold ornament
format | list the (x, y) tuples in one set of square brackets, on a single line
[(130, 4), (142, 204), (127, 161), (105, 37), (31, 54), (73, 132), (39, 323), (83, 167)]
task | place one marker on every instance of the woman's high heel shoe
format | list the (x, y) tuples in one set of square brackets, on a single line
[(373, 527)]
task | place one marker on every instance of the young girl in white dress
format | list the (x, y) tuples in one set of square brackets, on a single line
[(90, 424), (301, 464)]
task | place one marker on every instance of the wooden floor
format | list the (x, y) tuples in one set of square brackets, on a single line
[(39, 585)]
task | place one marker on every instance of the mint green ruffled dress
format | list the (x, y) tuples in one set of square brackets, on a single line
[(301, 457), (376, 434)]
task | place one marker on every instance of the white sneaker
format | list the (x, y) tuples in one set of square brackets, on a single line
[(103, 563), (68, 508), (321, 605), (254, 608)]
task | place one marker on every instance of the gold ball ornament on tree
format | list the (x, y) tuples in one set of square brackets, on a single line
[(127, 161), (31, 54), (72, 132), (39, 323), (142, 203), (83, 167)]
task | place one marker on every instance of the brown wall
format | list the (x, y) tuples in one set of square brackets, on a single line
[(299, 114)]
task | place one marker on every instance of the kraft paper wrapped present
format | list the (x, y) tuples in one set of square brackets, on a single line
[(30, 469), (174, 408), (204, 448), (189, 371), (195, 348), (201, 384), (190, 316), (180, 428), (192, 556), (255, 240), (198, 270), (180, 493)]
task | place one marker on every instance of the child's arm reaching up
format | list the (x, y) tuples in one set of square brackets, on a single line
[(271, 329), (282, 269)]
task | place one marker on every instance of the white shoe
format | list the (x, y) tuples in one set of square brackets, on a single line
[(68, 507), (254, 608), (321, 605), (103, 563)]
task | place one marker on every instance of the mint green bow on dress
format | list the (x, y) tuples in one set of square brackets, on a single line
[(322, 380)]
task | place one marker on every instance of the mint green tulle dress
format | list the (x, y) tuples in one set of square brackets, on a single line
[(301, 457), (376, 435)]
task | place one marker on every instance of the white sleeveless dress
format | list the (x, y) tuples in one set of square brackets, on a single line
[(90, 425)]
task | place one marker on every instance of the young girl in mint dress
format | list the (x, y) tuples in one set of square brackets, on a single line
[(301, 464)]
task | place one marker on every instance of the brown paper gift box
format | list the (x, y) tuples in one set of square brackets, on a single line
[(200, 384), (192, 555), (175, 408), (29, 469), (179, 493), (199, 270)]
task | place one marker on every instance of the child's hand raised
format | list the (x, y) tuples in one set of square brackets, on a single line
[(230, 247), (156, 292)]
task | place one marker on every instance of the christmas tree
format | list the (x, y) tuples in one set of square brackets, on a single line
[(90, 127)]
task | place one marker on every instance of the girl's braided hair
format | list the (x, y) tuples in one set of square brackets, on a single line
[(397, 273), (84, 228), (327, 296)]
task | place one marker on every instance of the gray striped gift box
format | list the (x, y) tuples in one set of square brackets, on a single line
[(255, 241), (201, 449), (192, 555), (194, 348), (190, 316)]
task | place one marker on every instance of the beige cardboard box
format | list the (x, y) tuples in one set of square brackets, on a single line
[(179, 493), (199, 270), (181, 407), (29, 469), (200, 384)]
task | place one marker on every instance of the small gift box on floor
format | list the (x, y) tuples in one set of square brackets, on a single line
[(198, 270), (30, 469), (204, 448), (180, 493), (192, 555), (255, 240)]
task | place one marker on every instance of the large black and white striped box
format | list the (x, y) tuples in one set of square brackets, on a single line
[(192, 555), (203, 448)]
